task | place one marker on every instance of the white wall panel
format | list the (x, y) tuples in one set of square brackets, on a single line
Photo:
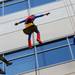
[(7, 22), (13, 41), (73, 1), (55, 30)]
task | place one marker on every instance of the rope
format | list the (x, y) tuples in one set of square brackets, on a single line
[(29, 7), (70, 48), (35, 50), (36, 58), (71, 21)]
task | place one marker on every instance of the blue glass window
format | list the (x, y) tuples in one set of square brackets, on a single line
[(52, 45), (55, 56), (71, 40), (16, 7), (37, 2), (73, 49), (22, 52), (0, 11), (21, 65), (72, 45)]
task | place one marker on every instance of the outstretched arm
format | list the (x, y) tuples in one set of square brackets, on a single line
[(19, 22), (42, 15)]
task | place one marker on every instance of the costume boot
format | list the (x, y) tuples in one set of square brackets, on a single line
[(29, 44), (38, 38)]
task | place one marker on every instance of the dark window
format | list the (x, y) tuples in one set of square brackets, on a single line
[(16, 7), (11, 6), (37, 2), (0, 11), (21, 65)]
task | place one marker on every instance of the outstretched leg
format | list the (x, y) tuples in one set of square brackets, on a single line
[(4, 60), (29, 41), (38, 34), (1, 71)]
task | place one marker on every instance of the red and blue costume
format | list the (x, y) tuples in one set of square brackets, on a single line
[(30, 27)]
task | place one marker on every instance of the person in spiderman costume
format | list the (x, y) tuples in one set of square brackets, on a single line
[(30, 27)]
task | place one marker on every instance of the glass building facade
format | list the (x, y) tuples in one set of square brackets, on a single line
[(48, 54), (40, 56)]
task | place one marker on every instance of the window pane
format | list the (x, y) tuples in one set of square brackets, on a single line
[(52, 45), (71, 40), (16, 7), (41, 60), (21, 65), (55, 56), (0, 11), (37, 2), (72, 45), (22, 52), (73, 49)]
